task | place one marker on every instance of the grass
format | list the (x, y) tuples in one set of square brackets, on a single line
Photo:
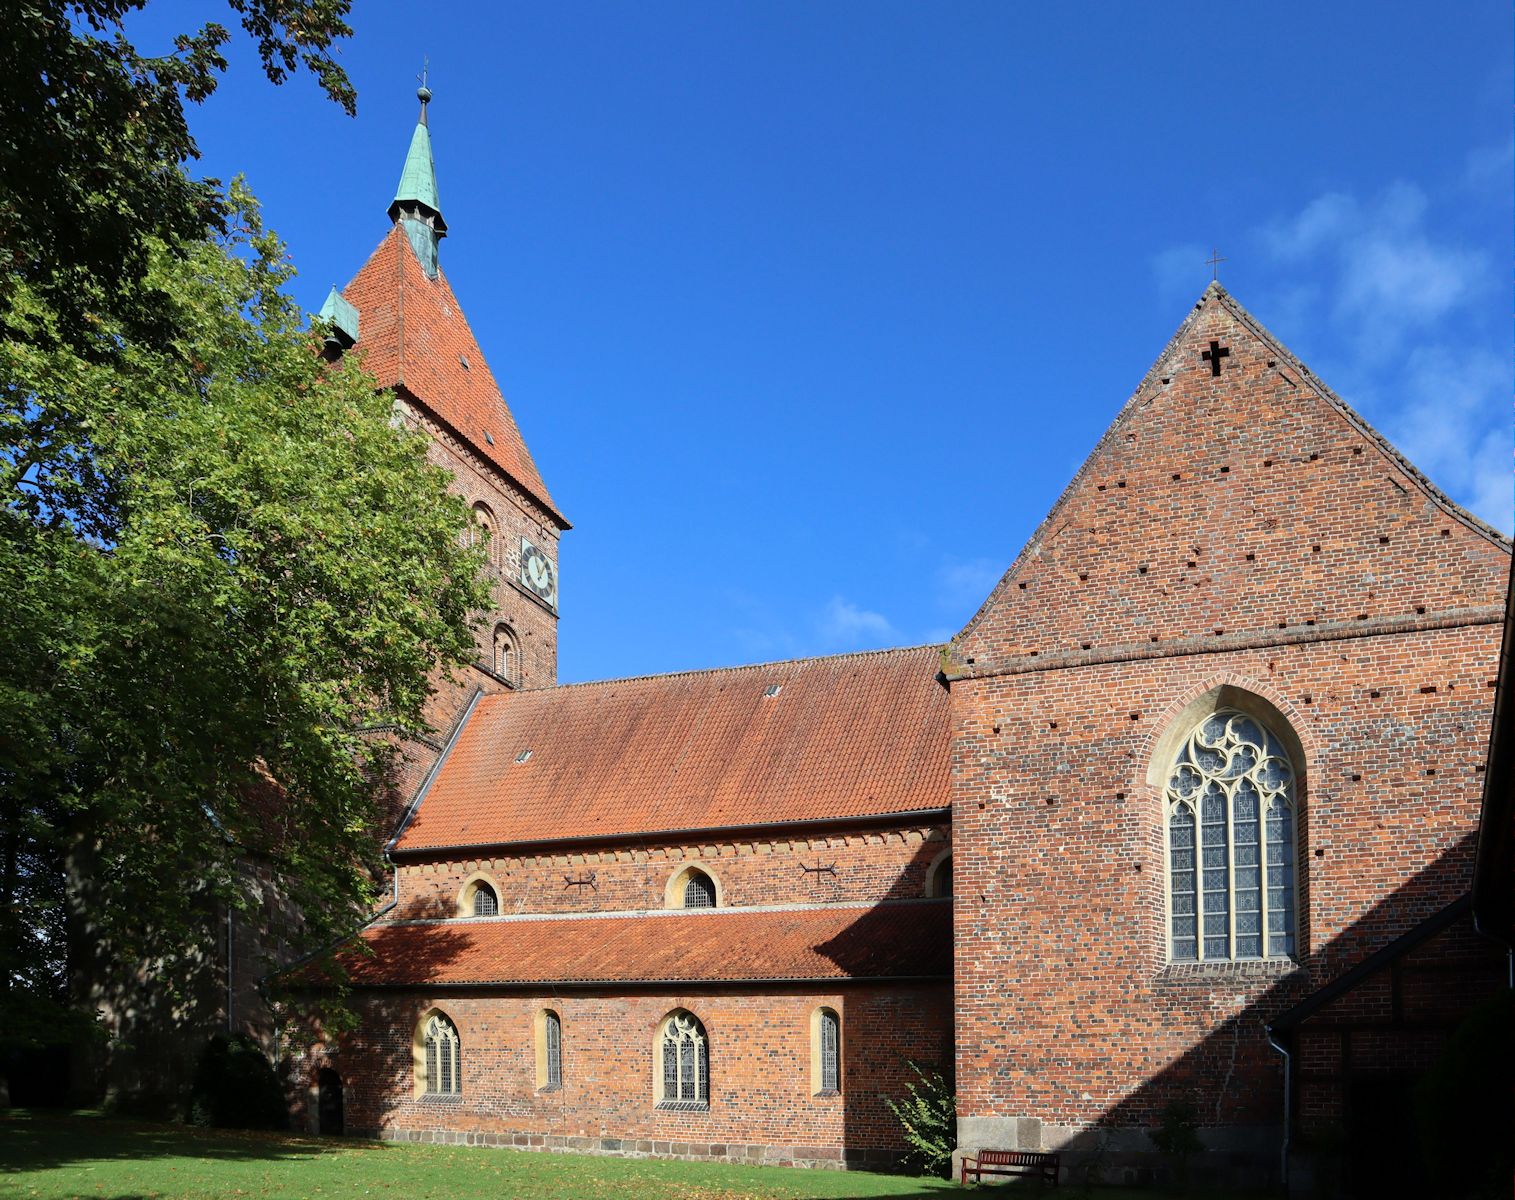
[(48, 1156)]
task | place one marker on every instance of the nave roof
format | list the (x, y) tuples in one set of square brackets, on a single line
[(818, 739)]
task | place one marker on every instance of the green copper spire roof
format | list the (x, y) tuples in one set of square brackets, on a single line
[(418, 181)]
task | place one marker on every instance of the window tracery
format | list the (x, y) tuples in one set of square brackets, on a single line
[(685, 1062), (443, 1066), (1231, 842)]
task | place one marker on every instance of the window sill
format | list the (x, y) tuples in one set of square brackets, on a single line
[(440, 1097), (1259, 970), (826, 1093), (683, 1106), (548, 1088)]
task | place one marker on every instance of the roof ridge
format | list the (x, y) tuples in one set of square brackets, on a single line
[(758, 666)]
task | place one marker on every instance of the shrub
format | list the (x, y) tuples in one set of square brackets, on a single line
[(1177, 1137), (928, 1115), (235, 1087)]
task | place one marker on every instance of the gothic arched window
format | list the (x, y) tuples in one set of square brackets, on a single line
[(683, 1075), (442, 1059), (1230, 804)]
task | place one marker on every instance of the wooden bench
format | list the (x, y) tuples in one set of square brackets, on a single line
[(1010, 1162)]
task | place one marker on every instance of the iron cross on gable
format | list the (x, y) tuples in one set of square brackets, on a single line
[(1213, 355)]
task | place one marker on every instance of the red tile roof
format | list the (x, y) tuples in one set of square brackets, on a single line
[(909, 938), (857, 735), (414, 336)]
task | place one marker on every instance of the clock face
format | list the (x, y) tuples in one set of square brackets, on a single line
[(538, 573)]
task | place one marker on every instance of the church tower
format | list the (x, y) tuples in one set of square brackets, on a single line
[(400, 316)]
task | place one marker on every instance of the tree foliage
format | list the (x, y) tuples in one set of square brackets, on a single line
[(221, 560), (93, 136), (235, 1087)]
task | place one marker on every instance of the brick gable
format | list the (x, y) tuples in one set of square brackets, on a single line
[(1217, 506)]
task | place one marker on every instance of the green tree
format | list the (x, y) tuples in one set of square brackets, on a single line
[(93, 136), (235, 562)]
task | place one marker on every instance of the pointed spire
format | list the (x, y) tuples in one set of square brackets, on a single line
[(416, 203)]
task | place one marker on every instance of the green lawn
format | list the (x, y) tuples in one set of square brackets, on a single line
[(48, 1156)]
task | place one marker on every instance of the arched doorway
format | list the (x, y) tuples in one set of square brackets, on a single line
[(329, 1102)]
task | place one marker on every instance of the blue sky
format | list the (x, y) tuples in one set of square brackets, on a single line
[(808, 311)]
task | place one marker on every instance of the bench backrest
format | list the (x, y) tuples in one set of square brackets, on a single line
[(1014, 1158)]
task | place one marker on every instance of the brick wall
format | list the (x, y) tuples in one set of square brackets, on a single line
[(869, 865), (1395, 1022), (1240, 531), (516, 515), (762, 1105)]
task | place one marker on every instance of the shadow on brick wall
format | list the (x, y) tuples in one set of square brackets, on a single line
[(1362, 1018)]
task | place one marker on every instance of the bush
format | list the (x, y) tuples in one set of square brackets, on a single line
[(1177, 1137), (235, 1087), (928, 1115)]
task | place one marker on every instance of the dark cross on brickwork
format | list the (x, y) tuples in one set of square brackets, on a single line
[(1213, 355), (1213, 262)]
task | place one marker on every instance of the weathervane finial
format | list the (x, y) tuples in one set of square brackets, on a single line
[(423, 93)]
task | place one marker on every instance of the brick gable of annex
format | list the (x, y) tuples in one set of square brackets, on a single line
[(1224, 509), (1240, 531)]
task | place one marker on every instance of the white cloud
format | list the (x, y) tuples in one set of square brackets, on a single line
[(1389, 273), (965, 583), (1488, 169), (1179, 271), (846, 625), (1450, 423), (1405, 313), (1321, 222)]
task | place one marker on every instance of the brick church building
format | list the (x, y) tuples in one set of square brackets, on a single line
[(1182, 820)]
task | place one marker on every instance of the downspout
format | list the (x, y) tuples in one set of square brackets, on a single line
[(1283, 1151), (231, 979)]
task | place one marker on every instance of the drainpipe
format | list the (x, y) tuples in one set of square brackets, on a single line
[(231, 979), (1283, 1152)]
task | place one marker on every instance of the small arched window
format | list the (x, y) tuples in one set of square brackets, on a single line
[(939, 876), (442, 1060), (549, 1050), (1230, 798), (683, 1079), (825, 1052), (507, 655), (699, 891), (485, 902), (483, 530)]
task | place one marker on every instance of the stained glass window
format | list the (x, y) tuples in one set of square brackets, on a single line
[(444, 1059), (1230, 808), (831, 1036), (686, 1061), (553, 1029)]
